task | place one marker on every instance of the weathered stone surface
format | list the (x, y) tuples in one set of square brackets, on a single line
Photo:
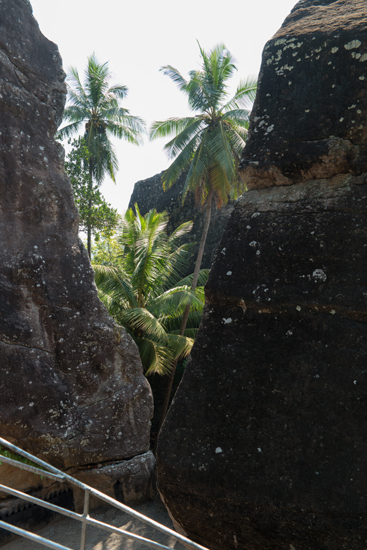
[(265, 446), (22, 480), (72, 390), (312, 82), (149, 194), (128, 481)]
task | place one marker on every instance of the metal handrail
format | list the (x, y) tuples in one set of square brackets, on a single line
[(53, 473)]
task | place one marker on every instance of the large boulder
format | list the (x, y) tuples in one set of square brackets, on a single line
[(72, 390), (265, 444)]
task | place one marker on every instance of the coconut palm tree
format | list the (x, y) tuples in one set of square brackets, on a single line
[(145, 291), (208, 145), (95, 105)]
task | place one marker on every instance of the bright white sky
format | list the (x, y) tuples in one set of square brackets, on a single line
[(137, 38)]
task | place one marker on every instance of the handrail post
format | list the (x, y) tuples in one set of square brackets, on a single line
[(85, 515)]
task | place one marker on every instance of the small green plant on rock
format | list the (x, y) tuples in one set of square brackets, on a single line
[(18, 458)]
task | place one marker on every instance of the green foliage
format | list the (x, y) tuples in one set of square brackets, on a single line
[(209, 144), (8, 454), (105, 250), (96, 105), (144, 291), (95, 213)]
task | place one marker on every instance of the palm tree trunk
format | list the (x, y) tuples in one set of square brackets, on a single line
[(208, 211), (89, 239), (89, 228)]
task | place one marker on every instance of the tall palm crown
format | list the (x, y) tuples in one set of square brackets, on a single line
[(208, 144), (144, 290), (96, 104)]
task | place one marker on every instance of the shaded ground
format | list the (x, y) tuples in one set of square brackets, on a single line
[(67, 531)]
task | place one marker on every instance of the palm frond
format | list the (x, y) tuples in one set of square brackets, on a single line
[(244, 95), (237, 116), (173, 325), (170, 126), (180, 141), (174, 301), (69, 130), (202, 279), (118, 90), (175, 75), (130, 130), (74, 113), (181, 346), (180, 231), (96, 80), (223, 167), (76, 92), (237, 138), (156, 359), (104, 157), (114, 282), (142, 321), (191, 332), (181, 163), (196, 175)]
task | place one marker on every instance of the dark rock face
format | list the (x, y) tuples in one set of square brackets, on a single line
[(149, 194), (265, 446), (129, 481), (71, 385), (313, 82)]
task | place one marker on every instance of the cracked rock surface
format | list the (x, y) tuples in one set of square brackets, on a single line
[(72, 390), (265, 444)]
